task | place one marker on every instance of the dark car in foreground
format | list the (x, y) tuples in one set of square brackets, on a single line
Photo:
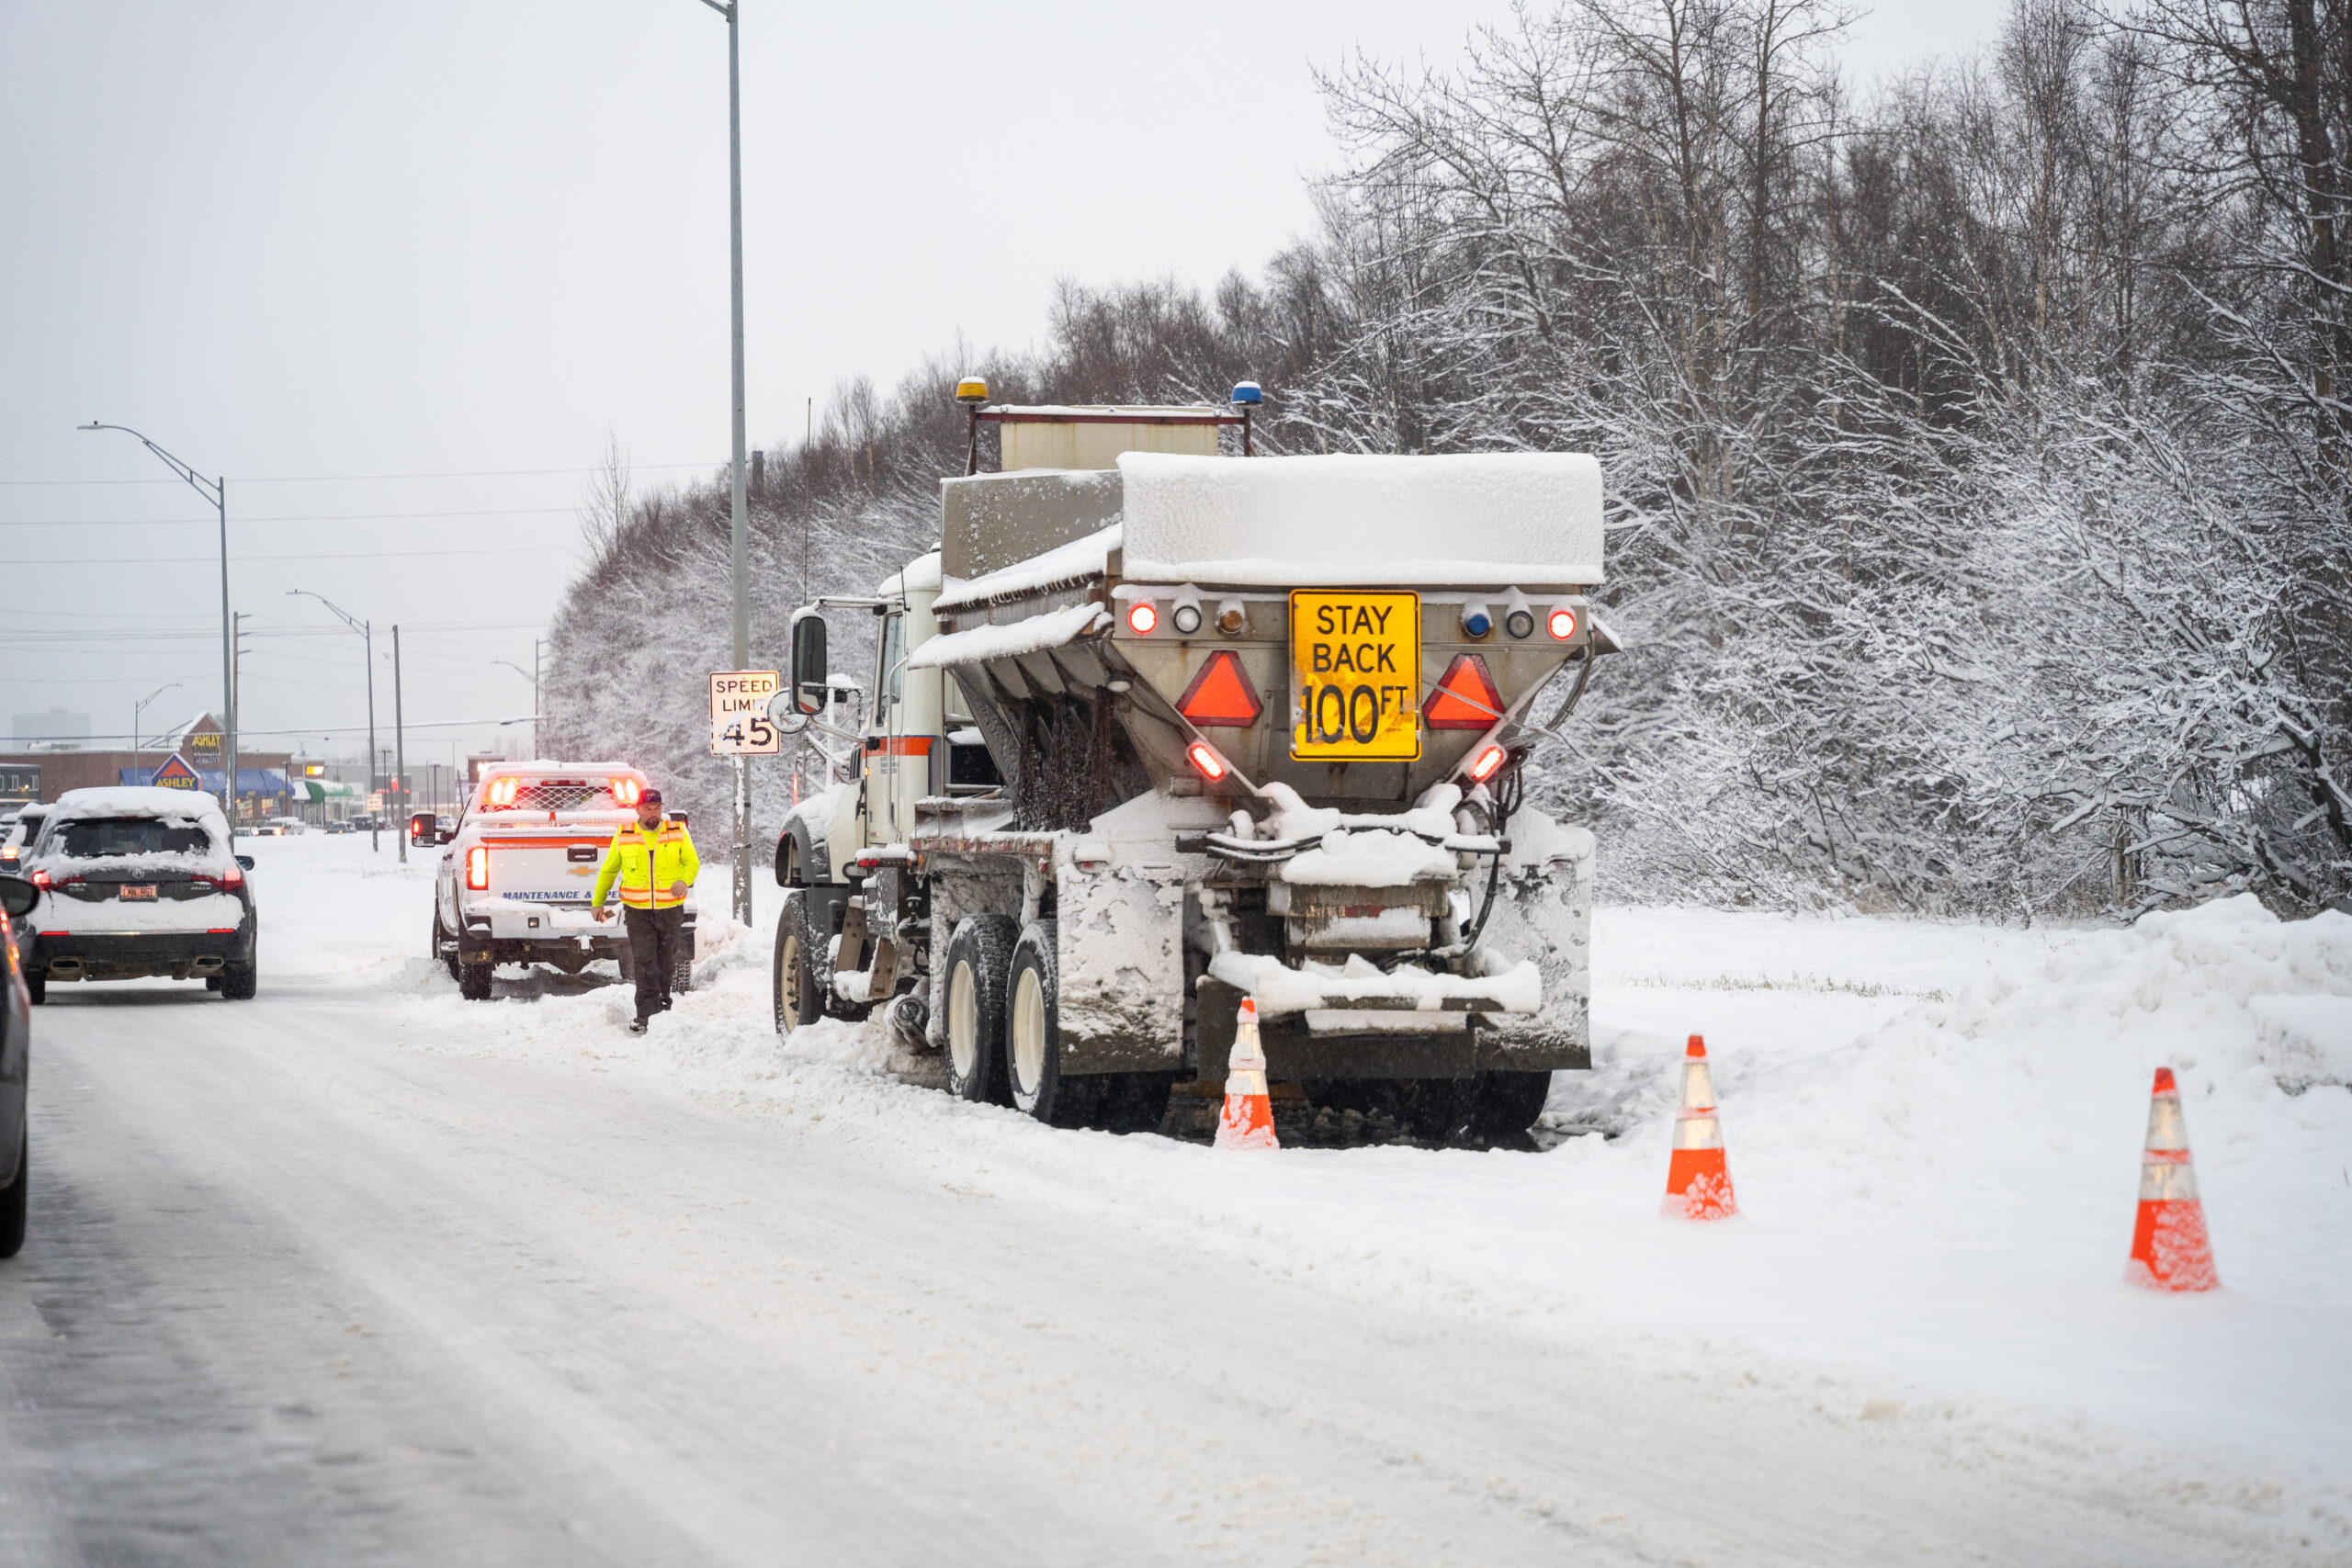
[(139, 882), (16, 898)]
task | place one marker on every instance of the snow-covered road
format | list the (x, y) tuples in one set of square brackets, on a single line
[(361, 1273)]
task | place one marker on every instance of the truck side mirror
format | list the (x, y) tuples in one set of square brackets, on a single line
[(809, 672), (17, 896), (420, 827)]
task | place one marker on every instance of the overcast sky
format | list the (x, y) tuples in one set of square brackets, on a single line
[(306, 245)]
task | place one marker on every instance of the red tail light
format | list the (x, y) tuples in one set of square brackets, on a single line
[(1563, 622), (1221, 695), (1488, 763), (1464, 697), (478, 867), (1204, 760), (40, 880), (1143, 617)]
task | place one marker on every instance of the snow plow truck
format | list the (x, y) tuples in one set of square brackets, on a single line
[(1155, 729)]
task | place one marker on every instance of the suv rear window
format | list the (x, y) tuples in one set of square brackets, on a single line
[(99, 837)]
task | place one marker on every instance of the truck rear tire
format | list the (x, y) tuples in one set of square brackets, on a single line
[(979, 963), (1033, 1037), (1137, 1102), (473, 981), (1508, 1103), (799, 1001), (1437, 1110)]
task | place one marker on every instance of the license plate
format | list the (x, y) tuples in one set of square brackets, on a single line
[(1355, 676), (127, 891)]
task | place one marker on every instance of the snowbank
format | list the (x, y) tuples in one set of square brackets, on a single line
[(1934, 1131)]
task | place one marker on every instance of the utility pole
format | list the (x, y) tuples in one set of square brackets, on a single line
[(237, 687), (367, 642), (738, 547), (400, 745)]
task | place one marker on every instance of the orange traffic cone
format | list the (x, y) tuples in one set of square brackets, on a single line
[(1698, 1183), (1249, 1119), (2170, 1250)]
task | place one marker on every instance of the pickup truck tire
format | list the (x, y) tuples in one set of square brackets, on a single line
[(473, 981), (979, 962), (239, 982), (1032, 1038), (800, 1001), (13, 1196)]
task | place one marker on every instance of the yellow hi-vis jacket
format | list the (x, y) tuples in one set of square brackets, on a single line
[(647, 862)]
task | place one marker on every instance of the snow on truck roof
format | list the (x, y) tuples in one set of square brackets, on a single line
[(1351, 519)]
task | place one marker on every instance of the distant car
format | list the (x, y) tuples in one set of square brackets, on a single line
[(283, 826), (17, 897), (139, 881), (20, 833), (338, 826)]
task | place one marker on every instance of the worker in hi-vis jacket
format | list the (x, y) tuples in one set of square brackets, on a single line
[(654, 860)]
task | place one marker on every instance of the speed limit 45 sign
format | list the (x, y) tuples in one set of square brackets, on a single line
[(738, 713)]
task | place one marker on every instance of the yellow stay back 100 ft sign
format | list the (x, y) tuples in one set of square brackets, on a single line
[(1355, 679)]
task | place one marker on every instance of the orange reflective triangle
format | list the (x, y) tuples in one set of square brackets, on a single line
[(1221, 695), (1465, 698)]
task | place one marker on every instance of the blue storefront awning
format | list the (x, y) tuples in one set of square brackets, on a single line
[(264, 783)]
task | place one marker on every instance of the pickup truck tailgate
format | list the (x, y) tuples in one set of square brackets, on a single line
[(550, 867)]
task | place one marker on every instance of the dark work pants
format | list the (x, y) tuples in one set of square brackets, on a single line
[(653, 936)]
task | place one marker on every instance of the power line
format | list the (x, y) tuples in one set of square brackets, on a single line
[(332, 555), (361, 479), (318, 517)]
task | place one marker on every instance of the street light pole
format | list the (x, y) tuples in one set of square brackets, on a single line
[(217, 494), (136, 709), (738, 547), (399, 747), (367, 640)]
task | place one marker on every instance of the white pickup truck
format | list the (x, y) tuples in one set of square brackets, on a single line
[(517, 871)]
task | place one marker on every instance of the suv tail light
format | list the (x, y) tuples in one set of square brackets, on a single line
[(40, 880), (478, 867)]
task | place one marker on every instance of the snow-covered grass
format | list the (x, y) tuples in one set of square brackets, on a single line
[(1934, 1131)]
